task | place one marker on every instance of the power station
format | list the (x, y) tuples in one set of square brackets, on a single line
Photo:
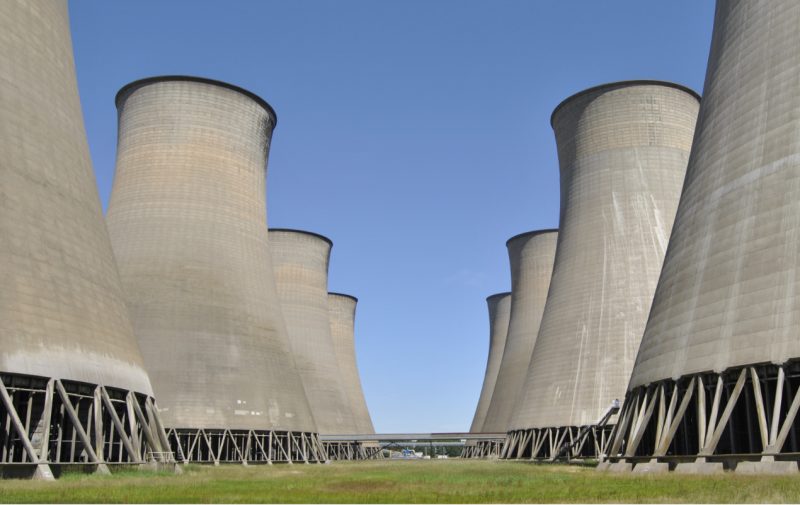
[(622, 150), (73, 388), (300, 261), (187, 219), (531, 257), (716, 382)]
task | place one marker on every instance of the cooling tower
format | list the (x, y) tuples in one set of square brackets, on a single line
[(499, 312), (717, 372), (69, 363), (342, 311), (623, 150), (187, 220), (300, 260), (531, 257)]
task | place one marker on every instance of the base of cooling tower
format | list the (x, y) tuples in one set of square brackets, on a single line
[(550, 444), (482, 448), (743, 419), (352, 451), (215, 446), (48, 425)]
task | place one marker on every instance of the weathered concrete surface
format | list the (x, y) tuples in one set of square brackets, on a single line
[(531, 257), (499, 313), (767, 466), (342, 312), (622, 149), (187, 220), (728, 291), (700, 467), (62, 310), (300, 261), (651, 467)]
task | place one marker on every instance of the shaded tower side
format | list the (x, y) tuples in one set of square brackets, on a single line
[(499, 306), (342, 310), (187, 217), (723, 329), (531, 257), (300, 260), (622, 149), (65, 331)]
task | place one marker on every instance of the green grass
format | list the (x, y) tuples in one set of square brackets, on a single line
[(450, 481)]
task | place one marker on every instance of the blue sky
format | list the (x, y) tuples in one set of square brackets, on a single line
[(414, 134)]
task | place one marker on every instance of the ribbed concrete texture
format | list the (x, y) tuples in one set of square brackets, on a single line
[(342, 310), (187, 220), (623, 150), (300, 260), (531, 256), (499, 313), (728, 291), (62, 311)]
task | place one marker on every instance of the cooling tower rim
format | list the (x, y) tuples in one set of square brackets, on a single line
[(344, 295), (634, 82), (204, 80), (304, 232), (498, 295), (531, 234)]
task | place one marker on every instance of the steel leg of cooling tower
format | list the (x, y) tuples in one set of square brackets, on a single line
[(42, 471), (79, 430)]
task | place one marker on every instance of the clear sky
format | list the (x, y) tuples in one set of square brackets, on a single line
[(414, 134)]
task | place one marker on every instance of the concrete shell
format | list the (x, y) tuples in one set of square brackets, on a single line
[(187, 219), (342, 310), (727, 295), (531, 256), (62, 309), (622, 150), (499, 313), (300, 260)]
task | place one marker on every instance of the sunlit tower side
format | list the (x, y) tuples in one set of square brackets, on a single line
[(300, 260), (69, 363), (187, 220), (623, 149), (531, 257), (717, 369)]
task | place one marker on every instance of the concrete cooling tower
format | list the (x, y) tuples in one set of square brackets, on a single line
[(499, 306), (531, 257), (716, 378), (187, 220), (342, 312), (73, 388), (623, 150), (300, 260), (499, 313)]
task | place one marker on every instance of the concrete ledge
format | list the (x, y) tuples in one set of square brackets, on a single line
[(620, 467), (767, 466), (700, 467), (651, 467), (602, 466), (43, 472)]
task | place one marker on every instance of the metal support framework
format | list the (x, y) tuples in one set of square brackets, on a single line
[(350, 451), (53, 422), (215, 446), (743, 413), (549, 444), (483, 449)]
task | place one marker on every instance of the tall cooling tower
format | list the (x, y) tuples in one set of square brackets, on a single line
[(499, 306), (187, 220), (623, 150), (300, 260), (342, 311), (531, 257), (70, 367), (717, 372)]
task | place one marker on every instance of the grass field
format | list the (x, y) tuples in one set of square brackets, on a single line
[(400, 482)]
